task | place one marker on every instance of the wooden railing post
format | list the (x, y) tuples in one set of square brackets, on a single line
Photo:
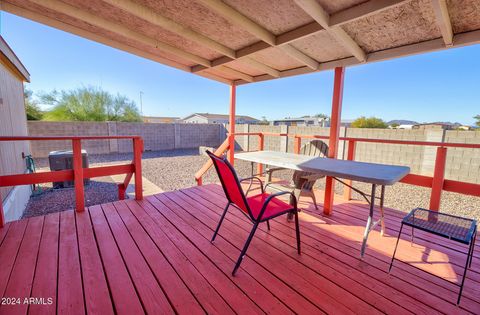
[(78, 175), (261, 145), (137, 161), (297, 144), (347, 191), (438, 178)]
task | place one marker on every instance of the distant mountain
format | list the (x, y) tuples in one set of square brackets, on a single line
[(402, 122)]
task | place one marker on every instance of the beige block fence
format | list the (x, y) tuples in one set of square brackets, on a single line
[(462, 164)]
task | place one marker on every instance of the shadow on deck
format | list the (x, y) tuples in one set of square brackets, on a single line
[(155, 256)]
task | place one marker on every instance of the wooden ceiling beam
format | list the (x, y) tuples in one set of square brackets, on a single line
[(363, 10), (116, 28), (235, 73), (459, 40), (253, 28), (92, 19), (443, 21), (252, 62), (342, 17), (154, 18), (43, 19), (315, 10)]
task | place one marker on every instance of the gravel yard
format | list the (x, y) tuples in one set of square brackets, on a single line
[(172, 170)]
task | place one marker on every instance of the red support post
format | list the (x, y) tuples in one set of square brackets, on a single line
[(78, 175), (438, 178), (231, 126), (137, 161), (297, 145), (335, 123), (261, 144), (347, 191)]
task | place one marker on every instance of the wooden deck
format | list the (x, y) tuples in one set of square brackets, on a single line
[(155, 257)]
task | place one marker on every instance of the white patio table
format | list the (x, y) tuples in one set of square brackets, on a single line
[(371, 173)]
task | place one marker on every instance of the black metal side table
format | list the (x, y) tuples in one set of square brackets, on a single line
[(453, 227)]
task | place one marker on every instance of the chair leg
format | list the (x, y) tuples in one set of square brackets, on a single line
[(395, 250), (268, 225), (312, 195), (297, 230), (245, 247), (220, 222)]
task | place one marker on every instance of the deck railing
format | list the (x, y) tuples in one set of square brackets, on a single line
[(437, 183), (79, 173)]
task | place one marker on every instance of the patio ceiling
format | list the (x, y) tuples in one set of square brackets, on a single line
[(246, 41)]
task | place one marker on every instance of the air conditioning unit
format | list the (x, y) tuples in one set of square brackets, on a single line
[(63, 160)]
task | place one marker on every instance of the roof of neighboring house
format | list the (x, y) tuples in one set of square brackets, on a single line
[(11, 61), (160, 117), (237, 42), (220, 116)]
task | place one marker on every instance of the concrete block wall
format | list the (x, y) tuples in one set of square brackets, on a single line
[(156, 136), (462, 164)]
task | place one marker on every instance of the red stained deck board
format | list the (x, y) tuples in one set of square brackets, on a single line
[(70, 288), (257, 293), (97, 296), (45, 280), (21, 278), (180, 296), (9, 250), (211, 301), (123, 294), (282, 267), (101, 257), (149, 291), (228, 290), (373, 279), (184, 221), (345, 227)]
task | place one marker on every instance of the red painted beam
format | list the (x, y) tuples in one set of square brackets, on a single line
[(438, 179), (35, 178), (43, 138), (417, 180), (335, 122)]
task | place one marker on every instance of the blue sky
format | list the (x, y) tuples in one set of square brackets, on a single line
[(440, 86)]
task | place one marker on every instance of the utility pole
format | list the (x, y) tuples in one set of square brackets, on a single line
[(141, 103)]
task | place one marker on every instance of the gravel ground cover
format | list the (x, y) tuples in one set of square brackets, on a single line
[(175, 169)]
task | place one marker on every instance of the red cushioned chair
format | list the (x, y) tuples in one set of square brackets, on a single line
[(258, 208)]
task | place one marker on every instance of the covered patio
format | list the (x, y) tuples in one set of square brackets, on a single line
[(153, 255)]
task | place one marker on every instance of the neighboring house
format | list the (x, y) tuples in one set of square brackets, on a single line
[(159, 120), (13, 122), (302, 121), (405, 126), (437, 126), (206, 118)]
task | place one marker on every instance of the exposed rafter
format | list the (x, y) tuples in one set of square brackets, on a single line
[(443, 20), (459, 40), (252, 62), (157, 19), (236, 73), (315, 10), (92, 19), (253, 28), (124, 31), (351, 14), (363, 10)]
